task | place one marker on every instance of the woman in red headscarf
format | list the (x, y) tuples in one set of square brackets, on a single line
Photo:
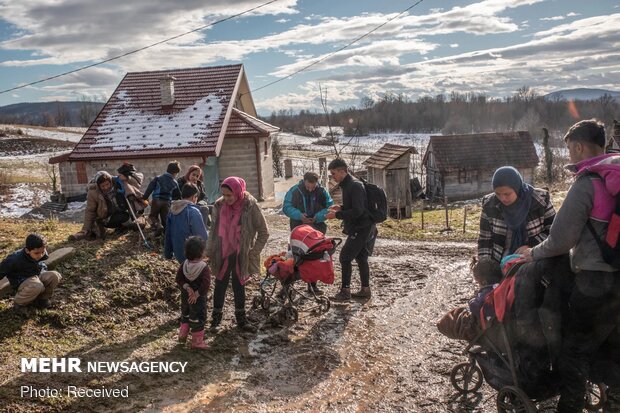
[(237, 236)]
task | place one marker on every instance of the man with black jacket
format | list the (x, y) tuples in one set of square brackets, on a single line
[(358, 227)]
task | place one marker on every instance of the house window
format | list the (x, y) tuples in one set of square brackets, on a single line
[(80, 168)]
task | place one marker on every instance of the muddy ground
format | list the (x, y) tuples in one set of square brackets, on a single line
[(382, 355)]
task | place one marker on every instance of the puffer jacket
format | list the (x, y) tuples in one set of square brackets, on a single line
[(254, 236), (184, 221)]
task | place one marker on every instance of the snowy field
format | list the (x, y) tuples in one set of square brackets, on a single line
[(66, 134)]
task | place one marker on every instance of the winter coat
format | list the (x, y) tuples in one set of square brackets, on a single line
[(163, 187), (184, 221), (586, 200), (200, 284), (299, 200), (20, 266), (354, 213), (202, 196), (98, 207), (492, 241), (254, 236)]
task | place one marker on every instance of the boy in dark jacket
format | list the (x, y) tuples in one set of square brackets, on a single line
[(184, 221), (164, 188), (361, 231), (28, 275), (194, 279)]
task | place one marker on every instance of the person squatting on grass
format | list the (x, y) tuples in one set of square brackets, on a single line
[(184, 221), (307, 203), (237, 237), (163, 188), (594, 304), (358, 226), (28, 275), (514, 215), (194, 279), (106, 202)]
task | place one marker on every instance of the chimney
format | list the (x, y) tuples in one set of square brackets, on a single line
[(166, 84)]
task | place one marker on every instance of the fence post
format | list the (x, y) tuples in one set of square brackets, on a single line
[(422, 214), (464, 218), (445, 204)]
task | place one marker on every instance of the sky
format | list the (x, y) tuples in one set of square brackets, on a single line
[(438, 46)]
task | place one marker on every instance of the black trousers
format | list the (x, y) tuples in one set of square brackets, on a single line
[(358, 246), (159, 211), (219, 292), (194, 314), (591, 338)]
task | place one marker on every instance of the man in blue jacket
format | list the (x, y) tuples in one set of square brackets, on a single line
[(184, 221), (164, 188), (308, 203)]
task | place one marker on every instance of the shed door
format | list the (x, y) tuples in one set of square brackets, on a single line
[(82, 177)]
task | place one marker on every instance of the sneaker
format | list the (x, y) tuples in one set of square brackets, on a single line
[(43, 303), (343, 295), (364, 292)]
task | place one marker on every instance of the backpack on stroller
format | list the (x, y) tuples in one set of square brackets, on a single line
[(309, 259)]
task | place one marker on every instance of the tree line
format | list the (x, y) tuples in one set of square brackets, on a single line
[(456, 113)]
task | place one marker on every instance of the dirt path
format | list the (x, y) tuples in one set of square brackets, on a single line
[(383, 355)]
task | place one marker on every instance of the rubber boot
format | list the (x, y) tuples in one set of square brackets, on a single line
[(198, 340), (242, 322), (343, 295), (364, 292), (216, 319), (183, 332)]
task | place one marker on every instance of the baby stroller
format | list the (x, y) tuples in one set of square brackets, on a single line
[(309, 258), (514, 356)]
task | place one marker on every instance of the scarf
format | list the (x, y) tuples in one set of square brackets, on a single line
[(229, 229), (515, 216)]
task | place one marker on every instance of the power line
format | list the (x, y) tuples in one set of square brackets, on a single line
[(357, 39), (140, 49)]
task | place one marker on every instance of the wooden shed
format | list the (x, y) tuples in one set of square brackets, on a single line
[(462, 166), (204, 116), (390, 168)]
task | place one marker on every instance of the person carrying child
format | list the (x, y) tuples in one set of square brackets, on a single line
[(28, 275), (194, 279), (163, 189)]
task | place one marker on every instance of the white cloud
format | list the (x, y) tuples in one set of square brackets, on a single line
[(554, 18), (283, 20), (454, 45)]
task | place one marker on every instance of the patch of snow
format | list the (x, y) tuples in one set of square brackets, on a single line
[(74, 206), (134, 129), (21, 199), (59, 135)]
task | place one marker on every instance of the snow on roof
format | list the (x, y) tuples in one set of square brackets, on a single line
[(134, 129)]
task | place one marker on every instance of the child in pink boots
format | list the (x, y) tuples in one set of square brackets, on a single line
[(194, 278)]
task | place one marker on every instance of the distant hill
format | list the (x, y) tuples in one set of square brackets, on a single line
[(51, 113), (583, 94)]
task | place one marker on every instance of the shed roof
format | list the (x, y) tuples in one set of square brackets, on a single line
[(133, 123), (482, 151), (387, 154)]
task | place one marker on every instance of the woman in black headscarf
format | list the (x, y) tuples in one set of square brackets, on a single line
[(513, 216)]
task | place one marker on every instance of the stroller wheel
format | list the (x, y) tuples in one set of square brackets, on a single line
[(466, 377), (265, 303), (324, 304), (595, 396), (256, 302), (512, 399)]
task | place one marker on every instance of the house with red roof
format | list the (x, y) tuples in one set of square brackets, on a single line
[(204, 116)]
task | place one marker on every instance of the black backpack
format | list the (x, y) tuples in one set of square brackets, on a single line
[(377, 202), (610, 245)]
